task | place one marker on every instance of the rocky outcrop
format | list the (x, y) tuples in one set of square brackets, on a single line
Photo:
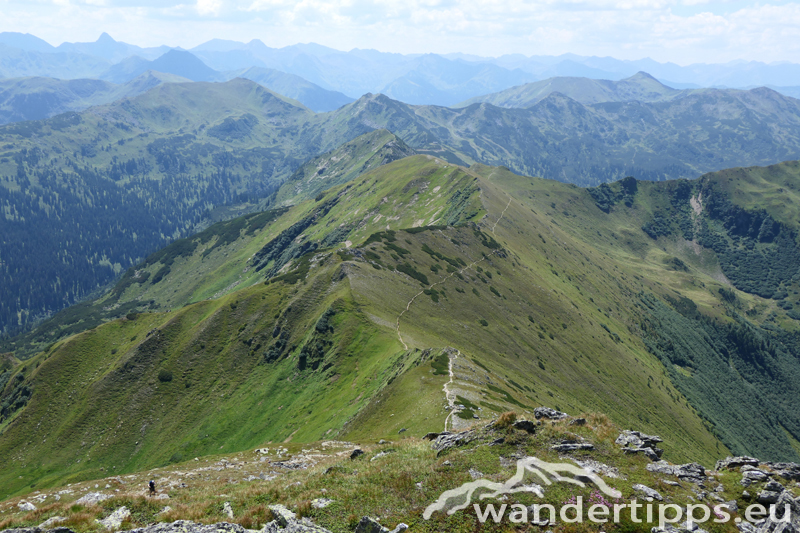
[(730, 463), (691, 472), (447, 440), (637, 442), (768, 525)]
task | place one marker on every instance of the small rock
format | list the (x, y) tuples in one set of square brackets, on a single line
[(93, 497), (26, 506), (774, 486), (47, 524), (115, 519), (162, 496), (475, 474), (382, 441), (547, 412), (356, 453), (381, 454), (731, 506), (321, 503), (166, 509), (368, 525), (573, 446), (651, 494), (282, 514)]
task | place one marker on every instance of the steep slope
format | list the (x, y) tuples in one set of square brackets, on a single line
[(339, 166), (641, 87), (293, 343), (344, 317), (40, 98)]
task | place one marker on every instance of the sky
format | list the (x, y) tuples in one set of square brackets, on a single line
[(678, 31)]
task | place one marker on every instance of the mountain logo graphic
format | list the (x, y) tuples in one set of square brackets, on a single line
[(530, 468)]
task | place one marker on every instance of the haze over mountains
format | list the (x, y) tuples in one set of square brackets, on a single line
[(414, 79)]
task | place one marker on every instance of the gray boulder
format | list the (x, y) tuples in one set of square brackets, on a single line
[(650, 494), (768, 497), (770, 526), (788, 471), (445, 441), (774, 486), (691, 472), (115, 519), (26, 506), (93, 497), (525, 425), (729, 463), (547, 412), (636, 439), (638, 442), (358, 452), (50, 522)]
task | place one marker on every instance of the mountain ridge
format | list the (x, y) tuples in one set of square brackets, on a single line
[(537, 284)]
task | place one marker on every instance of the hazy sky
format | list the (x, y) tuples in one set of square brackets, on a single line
[(682, 31)]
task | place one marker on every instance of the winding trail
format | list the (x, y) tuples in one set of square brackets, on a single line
[(443, 280), (448, 394)]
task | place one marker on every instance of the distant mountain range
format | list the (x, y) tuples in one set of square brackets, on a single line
[(39, 98), (429, 79)]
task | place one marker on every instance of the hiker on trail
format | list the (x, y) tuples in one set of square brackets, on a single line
[(152, 486)]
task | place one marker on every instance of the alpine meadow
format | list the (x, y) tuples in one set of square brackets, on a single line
[(250, 289)]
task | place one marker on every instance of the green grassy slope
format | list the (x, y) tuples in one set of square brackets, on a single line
[(341, 165), (153, 167), (330, 319)]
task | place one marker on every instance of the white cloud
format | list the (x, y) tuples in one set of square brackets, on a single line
[(681, 31), (209, 7)]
